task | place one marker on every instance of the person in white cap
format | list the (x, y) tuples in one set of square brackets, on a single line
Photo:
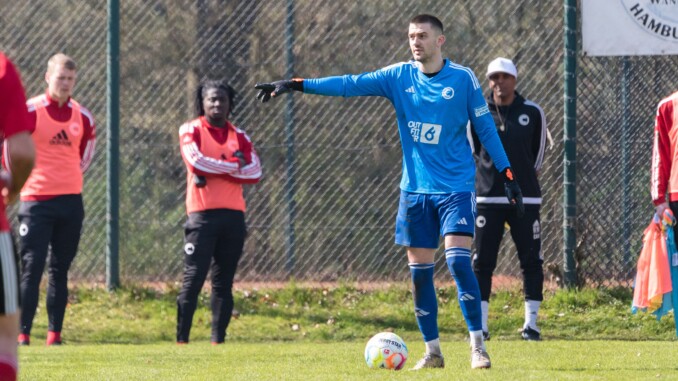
[(521, 125)]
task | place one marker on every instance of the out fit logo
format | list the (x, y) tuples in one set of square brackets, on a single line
[(60, 139), (428, 133)]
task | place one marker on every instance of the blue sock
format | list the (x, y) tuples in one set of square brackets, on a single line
[(459, 263), (425, 301)]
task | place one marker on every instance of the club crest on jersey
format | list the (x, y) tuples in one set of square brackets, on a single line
[(75, 129), (448, 93), (523, 120)]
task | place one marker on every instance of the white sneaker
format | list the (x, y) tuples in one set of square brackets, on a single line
[(479, 358), (430, 361)]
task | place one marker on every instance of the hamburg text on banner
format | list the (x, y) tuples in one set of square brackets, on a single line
[(630, 27)]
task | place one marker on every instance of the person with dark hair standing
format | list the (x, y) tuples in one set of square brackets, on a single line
[(434, 100), (52, 211), (18, 157), (219, 159), (522, 130)]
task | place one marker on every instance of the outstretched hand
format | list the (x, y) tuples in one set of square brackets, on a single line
[(272, 89)]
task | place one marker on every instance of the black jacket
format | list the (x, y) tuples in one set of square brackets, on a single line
[(524, 139)]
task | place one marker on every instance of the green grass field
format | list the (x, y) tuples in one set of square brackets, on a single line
[(511, 360), (315, 333)]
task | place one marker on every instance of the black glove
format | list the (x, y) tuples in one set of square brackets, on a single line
[(241, 158), (513, 192), (273, 89), (199, 181)]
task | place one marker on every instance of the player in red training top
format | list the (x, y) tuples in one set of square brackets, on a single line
[(19, 155), (664, 176), (219, 158), (51, 211)]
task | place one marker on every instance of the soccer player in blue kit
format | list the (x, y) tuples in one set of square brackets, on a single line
[(435, 99)]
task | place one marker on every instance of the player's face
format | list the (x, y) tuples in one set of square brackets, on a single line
[(60, 82), (503, 85), (216, 104), (425, 42)]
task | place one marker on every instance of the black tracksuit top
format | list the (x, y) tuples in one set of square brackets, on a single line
[(524, 140)]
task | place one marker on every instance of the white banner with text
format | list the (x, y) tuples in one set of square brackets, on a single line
[(629, 27)]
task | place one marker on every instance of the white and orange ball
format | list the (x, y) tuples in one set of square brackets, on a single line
[(386, 350)]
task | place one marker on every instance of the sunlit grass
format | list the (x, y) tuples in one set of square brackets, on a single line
[(512, 360), (318, 333)]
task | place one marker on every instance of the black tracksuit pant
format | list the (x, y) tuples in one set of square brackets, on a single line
[(526, 234), (53, 224), (213, 241)]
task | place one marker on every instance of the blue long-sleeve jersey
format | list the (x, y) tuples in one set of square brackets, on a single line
[(433, 114)]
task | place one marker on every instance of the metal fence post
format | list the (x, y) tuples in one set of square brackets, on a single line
[(290, 183), (626, 167), (112, 121), (569, 137)]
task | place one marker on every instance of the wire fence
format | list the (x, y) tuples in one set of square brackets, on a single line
[(331, 181)]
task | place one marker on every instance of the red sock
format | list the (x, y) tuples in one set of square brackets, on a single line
[(53, 337), (24, 338), (8, 368)]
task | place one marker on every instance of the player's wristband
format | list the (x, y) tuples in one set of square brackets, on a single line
[(508, 174), (297, 84)]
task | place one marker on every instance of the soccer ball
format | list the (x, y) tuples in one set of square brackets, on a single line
[(386, 350)]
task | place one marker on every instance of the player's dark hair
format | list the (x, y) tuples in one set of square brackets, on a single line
[(213, 84), (430, 19)]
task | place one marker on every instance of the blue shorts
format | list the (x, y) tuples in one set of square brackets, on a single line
[(424, 218)]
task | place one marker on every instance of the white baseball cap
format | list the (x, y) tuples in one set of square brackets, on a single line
[(502, 65)]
